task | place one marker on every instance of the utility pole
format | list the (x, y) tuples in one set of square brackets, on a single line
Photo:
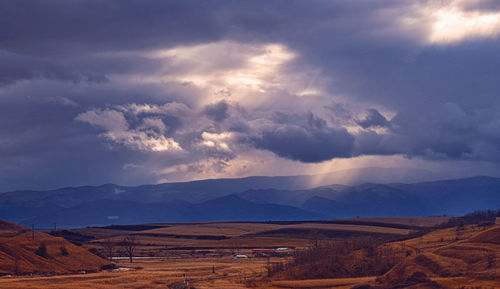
[(55, 227), (33, 232)]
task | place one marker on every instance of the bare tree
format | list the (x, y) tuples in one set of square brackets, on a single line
[(108, 247), (16, 264), (491, 260), (128, 243)]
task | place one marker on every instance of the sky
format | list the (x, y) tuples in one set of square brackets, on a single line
[(135, 92)]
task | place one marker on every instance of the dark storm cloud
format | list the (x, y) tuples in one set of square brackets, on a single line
[(61, 27), (373, 119), (217, 111), (78, 40), (441, 132), (306, 139), (433, 75), (49, 31), (17, 67), (62, 59), (313, 145)]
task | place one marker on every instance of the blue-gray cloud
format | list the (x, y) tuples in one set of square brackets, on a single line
[(373, 118), (306, 144), (62, 60), (217, 111)]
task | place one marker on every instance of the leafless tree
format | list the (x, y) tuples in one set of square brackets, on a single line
[(16, 264), (109, 248), (128, 243), (491, 260)]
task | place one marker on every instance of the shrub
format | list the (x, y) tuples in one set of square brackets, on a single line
[(97, 252), (42, 251), (64, 251), (108, 267)]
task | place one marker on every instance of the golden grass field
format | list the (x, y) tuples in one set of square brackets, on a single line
[(338, 283), (461, 255), (156, 273), (239, 234), (168, 240)]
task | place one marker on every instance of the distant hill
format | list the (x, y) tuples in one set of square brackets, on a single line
[(253, 199), (449, 197), (232, 207), (20, 254)]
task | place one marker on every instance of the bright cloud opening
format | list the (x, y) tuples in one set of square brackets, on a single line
[(452, 23), (454, 26), (244, 73), (217, 140)]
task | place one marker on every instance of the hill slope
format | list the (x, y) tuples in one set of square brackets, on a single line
[(20, 254), (445, 255)]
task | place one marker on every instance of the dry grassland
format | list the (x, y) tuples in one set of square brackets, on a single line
[(235, 234), (339, 283), (180, 249), (156, 273), (20, 251)]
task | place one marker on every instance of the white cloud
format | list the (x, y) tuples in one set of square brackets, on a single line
[(107, 119), (219, 141), (146, 137), (171, 108)]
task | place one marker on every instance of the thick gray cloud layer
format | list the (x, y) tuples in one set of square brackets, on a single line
[(307, 140), (143, 91)]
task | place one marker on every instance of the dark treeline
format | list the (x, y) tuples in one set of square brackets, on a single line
[(484, 218)]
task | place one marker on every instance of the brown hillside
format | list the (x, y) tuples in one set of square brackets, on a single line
[(18, 253), (471, 251), (8, 229), (425, 264), (490, 236)]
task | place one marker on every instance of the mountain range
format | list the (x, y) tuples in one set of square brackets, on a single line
[(250, 199)]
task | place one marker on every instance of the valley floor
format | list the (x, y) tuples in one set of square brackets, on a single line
[(156, 273), (229, 273), (468, 256)]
